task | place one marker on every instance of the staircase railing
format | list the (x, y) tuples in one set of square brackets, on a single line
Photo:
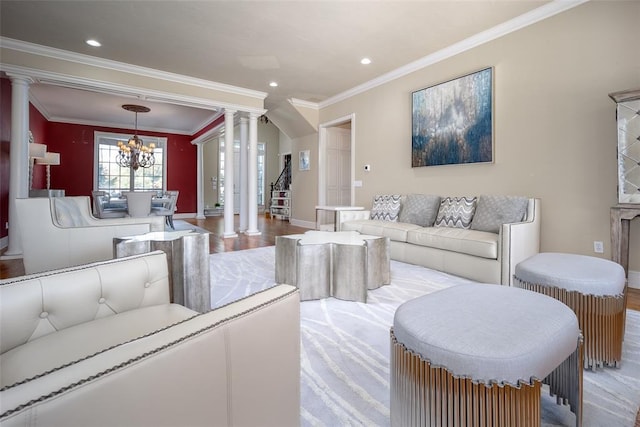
[(284, 180)]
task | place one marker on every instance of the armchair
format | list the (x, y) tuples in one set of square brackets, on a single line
[(100, 344), (167, 209), (139, 202), (100, 199), (61, 232)]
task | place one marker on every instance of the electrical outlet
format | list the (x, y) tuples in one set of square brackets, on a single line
[(6, 225), (598, 247)]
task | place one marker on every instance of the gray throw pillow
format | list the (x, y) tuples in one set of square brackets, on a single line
[(386, 207), (493, 211), (420, 209), (456, 212)]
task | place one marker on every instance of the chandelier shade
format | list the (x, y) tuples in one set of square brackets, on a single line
[(134, 153)]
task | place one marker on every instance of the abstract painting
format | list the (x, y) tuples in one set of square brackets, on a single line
[(452, 122)]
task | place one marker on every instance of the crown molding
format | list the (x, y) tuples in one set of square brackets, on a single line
[(79, 58), (515, 24), (206, 122), (302, 103), (215, 131), (65, 80), (118, 126)]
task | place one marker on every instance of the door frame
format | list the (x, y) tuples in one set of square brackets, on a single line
[(322, 156)]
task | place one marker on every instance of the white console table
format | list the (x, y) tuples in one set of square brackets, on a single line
[(320, 225), (621, 216)]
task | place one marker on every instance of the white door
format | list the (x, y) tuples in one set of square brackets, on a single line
[(338, 170)]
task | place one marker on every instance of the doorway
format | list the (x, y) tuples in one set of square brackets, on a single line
[(336, 162)]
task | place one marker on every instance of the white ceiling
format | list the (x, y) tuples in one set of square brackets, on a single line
[(311, 48)]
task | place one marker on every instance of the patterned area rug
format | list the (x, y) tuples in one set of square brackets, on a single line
[(345, 348)]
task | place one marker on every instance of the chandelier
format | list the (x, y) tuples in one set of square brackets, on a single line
[(135, 154)]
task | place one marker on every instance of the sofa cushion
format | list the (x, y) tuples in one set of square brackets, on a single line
[(386, 207), (396, 231), (456, 212), (419, 209), (471, 242), (493, 211), (79, 341)]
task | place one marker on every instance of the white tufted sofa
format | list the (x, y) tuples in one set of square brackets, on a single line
[(483, 256), (62, 232), (100, 344)]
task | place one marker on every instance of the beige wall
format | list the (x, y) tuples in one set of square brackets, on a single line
[(304, 184), (270, 135), (555, 130), (210, 170), (267, 133)]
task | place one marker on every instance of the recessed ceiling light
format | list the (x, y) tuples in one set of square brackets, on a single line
[(273, 84), (94, 43), (365, 61)]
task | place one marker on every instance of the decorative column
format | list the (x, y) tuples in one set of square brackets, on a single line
[(18, 158), (253, 176), (228, 174), (244, 122), (200, 181)]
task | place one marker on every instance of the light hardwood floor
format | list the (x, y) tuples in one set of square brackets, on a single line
[(269, 227)]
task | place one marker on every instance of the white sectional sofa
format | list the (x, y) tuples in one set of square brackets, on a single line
[(62, 232), (100, 345), (480, 238)]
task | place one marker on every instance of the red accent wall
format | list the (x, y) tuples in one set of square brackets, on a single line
[(75, 172), (38, 127), (75, 145), (211, 125), (5, 142)]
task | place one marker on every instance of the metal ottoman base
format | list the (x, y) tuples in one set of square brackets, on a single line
[(423, 394), (601, 319)]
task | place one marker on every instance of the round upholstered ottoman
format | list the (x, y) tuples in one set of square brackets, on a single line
[(478, 354), (594, 288)]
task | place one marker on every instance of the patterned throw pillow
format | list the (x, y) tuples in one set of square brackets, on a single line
[(420, 209), (456, 212), (493, 211), (386, 207)]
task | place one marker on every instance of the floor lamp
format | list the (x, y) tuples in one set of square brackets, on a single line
[(49, 159), (36, 151)]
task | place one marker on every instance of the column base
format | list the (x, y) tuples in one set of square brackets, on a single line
[(253, 232)]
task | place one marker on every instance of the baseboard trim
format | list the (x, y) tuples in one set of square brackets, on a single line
[(634, 279)]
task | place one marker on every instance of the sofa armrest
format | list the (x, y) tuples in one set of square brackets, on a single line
[(39, 304), (235, 365), (344, 216), (48, 246), (519, 241)]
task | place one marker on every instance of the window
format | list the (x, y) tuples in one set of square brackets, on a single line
[(261, 171), (112, 178)]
